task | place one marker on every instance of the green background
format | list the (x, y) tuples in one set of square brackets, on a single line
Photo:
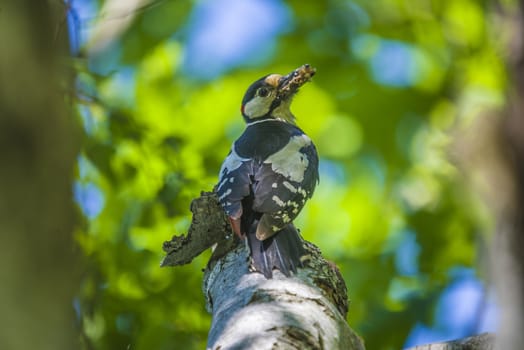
[(396, 84)]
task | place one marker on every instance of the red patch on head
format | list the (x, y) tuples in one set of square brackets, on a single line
[(242, 109)]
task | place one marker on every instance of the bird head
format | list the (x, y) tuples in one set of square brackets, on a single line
[(271, 96)]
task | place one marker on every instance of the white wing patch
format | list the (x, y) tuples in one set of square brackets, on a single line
[(232, 162), (279, 201), (225, 194), (290, 187), (289, 161)]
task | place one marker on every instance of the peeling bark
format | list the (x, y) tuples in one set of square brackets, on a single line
[(209, 226)]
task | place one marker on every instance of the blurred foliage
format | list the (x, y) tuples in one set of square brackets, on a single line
[(395, 80)]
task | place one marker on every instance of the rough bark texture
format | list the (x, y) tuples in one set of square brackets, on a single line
[(305, 311), (38, 146), (209, 226), (485, 341), (252, 312)]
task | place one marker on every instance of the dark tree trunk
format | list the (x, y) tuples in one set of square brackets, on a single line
[(38, 145)]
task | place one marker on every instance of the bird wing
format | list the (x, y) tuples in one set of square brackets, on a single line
[(277, 167), (234, 183), (283, 183)]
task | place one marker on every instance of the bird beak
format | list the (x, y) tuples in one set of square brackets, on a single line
[(288, 84)]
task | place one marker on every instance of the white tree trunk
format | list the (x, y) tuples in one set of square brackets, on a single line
[(252, 312), (305, 311)]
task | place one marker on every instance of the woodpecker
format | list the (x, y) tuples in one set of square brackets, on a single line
[(270, 173)]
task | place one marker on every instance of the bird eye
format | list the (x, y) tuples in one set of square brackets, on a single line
[(263, 92)]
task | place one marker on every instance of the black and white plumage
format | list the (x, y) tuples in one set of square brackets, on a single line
[(270, 173)]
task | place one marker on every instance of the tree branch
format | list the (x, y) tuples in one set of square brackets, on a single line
[(249, 311), (485, 341), (209, 226)]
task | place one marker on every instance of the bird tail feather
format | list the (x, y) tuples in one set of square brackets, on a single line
[(282, 251)]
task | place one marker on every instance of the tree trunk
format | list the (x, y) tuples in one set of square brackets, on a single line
[(305, 311), (509, 241), (38, 147), (252, 312), (492, 150)]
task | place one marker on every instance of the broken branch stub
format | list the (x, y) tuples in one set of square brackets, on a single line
[(209, 226)]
